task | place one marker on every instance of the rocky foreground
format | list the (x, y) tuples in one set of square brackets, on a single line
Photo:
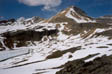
[(100, 65)]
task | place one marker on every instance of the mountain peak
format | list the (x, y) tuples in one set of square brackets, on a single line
[(78, 15), (71, 13), (78, 10)]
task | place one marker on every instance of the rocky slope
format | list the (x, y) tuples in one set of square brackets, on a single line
[(44, 46), (101, 65)]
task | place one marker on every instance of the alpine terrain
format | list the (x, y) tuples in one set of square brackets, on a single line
[(70, 42)]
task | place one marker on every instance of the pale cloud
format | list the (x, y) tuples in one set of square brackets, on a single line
[(48, 4)]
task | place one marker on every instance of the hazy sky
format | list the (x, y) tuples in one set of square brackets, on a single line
[(48, 8)]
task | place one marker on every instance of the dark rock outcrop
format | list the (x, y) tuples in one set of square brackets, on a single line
[(59, 53), (5, 22), (21, 37), (101, 65)]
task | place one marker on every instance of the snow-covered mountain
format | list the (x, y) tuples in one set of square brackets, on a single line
[(44, 46), (71, 14)]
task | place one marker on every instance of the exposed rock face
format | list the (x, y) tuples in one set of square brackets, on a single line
[(79, 11), (80, 28), (7, 22), (22, 37), (101, 65)]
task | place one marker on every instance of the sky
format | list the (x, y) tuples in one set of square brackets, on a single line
[(47, 8)]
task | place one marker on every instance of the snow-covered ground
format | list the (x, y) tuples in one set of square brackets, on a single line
[(32, 59)]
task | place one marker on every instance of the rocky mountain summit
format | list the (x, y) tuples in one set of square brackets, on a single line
[(71, 15), (70, 42)]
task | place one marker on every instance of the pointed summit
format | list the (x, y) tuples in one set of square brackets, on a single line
[(78, 10), (73, 14)]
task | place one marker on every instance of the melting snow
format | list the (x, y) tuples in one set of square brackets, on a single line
[(36, 54)]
